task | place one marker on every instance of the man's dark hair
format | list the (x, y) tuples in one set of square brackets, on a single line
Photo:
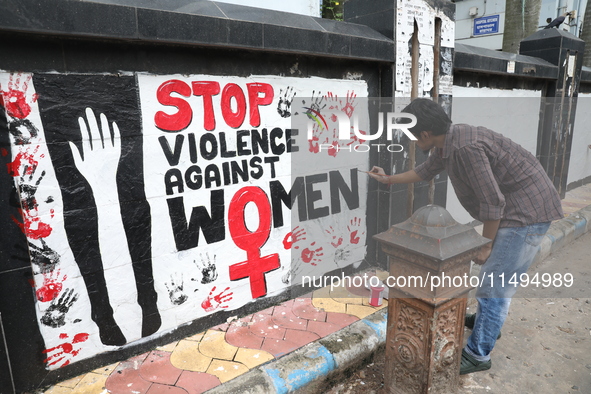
[(430, 117)]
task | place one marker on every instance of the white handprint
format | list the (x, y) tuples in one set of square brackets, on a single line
[(99, 159)]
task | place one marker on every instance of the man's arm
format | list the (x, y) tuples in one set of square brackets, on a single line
[(489, 230), (379, 175)]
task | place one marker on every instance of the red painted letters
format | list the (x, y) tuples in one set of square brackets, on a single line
[(232, 103), (182, 118)]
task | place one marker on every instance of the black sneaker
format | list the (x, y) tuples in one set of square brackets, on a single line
[(469, 364), (469, 322)]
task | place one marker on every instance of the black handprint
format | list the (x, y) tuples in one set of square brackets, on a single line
[(208, 269), (317, 102), (23, 131), (293, 273), (341, 255), (28, 190), (55, 315), (45, 257), (284, 106), (175, 290)]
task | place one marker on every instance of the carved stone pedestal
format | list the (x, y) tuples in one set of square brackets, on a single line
[(424, 345), (430, 256)]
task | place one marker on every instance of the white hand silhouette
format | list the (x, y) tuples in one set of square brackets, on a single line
[(101, 150), (98, 162)]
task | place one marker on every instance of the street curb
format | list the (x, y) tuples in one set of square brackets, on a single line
[(564, 231), (311, 369)]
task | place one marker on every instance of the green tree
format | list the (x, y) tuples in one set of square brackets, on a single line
[(332, 9), (521, 20)]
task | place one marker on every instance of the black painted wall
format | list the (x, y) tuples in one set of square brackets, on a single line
[(82, 37)]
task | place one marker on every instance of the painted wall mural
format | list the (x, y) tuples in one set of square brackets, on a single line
[(149, 201)]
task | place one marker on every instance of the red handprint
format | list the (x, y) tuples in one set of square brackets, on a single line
[(312, 256), (64, 352), (25, 159), (52, 286), (293, 237), (353, 228), (15, 99), (337, 240), (32, 226), (349, 107), (212, 303), (332, 100), (314, 142)]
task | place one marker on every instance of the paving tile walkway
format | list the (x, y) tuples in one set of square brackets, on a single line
[(203, 361)]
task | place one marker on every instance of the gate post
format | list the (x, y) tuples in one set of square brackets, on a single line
[(558, 106), (426, 313)]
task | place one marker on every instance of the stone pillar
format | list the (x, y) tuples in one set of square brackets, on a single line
[(558, 107), (426, 314)]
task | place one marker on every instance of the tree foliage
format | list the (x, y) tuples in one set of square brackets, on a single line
[(332, 9), (521, 20)]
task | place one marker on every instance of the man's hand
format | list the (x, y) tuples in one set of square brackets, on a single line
[(483, 254), (379, 175)]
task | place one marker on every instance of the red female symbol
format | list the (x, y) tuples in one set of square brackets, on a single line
[(255, 266)]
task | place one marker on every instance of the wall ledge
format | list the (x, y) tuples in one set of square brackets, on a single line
[(196, 23)]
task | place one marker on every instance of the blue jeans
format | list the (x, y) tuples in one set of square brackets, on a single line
[(513, 251)]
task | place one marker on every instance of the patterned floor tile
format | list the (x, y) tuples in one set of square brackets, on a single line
[(304, 309), (226, 370), (322, 328), (252, 357), (242, 337), (169, 347), (126, 381), (157, 368), (284, 317), (91, 383), (343, 320), (278, 347), (186, 356), (288, 303), (214, 345), (107, 370), (71, 383), (264, 326), (360, 311), (329, 305), (197, 382), (300, 338), (196, 337), (58, 390), (343, 295), (164, 389), (220, 327)]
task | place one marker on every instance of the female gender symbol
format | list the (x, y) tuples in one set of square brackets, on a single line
[(255, 266)]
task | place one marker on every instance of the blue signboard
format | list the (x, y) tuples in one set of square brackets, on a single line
[(486, 25)]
